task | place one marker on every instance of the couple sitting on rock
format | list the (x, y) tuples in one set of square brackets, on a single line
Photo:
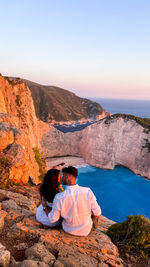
[(75, 208)]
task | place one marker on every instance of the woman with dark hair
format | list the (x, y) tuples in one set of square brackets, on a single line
[(49, 188)]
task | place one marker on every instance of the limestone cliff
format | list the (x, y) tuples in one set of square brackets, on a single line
[(116, 140), (19, 131), (55, 143)]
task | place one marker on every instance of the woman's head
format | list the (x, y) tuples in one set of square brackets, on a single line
[(52, 177), (50, 184)]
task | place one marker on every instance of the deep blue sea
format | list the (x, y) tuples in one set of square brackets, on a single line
[(119, 192), (140, 108)]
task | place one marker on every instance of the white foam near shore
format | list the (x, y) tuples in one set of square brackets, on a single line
[(62, 162)]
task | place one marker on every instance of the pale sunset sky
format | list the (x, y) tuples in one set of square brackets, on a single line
[(95, 48)]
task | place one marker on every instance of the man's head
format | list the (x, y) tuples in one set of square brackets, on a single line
[(69, 175)]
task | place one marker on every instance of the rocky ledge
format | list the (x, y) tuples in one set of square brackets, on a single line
[(25, 242)]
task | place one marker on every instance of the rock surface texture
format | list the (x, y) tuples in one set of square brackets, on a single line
[(116, 140), (19, 129), (25, 242)]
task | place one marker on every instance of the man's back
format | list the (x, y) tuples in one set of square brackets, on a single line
[(75, 205)]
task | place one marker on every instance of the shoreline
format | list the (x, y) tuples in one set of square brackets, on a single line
[(61, 162)]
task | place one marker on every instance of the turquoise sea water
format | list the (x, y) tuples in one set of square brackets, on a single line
[(119, 192)]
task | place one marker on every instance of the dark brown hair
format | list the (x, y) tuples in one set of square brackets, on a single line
[(49, 187), (71, 170)]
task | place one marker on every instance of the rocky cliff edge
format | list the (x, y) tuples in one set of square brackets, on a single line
[(25, 243)]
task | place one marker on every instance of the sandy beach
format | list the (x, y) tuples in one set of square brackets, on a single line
[(62, 162)]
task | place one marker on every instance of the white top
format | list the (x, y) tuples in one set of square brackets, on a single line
[(75, 205), (49, 204)]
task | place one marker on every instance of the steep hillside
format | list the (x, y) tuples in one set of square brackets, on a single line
[(54, 103)]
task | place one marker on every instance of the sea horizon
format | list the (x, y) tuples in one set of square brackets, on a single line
[(136, 107), (118, 98)]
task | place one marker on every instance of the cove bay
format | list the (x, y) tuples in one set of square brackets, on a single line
[(119, 192)]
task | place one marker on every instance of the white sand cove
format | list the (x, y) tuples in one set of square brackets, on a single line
[(61, 162)]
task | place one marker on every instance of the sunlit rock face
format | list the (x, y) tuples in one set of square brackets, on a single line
[(116, 140), (18, 129), (17, 101), (6, 135)]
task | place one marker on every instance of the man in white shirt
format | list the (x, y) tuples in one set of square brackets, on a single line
[(75, 205)]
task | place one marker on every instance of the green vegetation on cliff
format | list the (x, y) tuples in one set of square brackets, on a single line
[(40, 161), (134, 233), (5, 163), (145, 122), (13, 81), (54, 103)]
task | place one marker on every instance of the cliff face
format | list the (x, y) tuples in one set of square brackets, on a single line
[(55, 143), (17, 102), (18, 129), (117, 140)]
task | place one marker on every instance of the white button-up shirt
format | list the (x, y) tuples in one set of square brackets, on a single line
[(75, 205)]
